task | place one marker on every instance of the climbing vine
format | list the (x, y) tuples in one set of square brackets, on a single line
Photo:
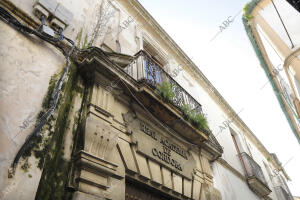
[(54, 178)]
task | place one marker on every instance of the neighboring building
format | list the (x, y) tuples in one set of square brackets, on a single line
[(130, 120), (273, 29), (296, 198)]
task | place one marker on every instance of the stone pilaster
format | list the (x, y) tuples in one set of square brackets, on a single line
[(96, 171), (208, 192)]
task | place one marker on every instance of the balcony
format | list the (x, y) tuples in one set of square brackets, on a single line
[(255, 176), (142, 75), (145, 69), (149, 74), (282, 194)]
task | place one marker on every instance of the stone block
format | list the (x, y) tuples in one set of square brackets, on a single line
[(167, 178), (100, 138), (94, 179), (83, 196), (187, 188), (142, 166), (206, 167), (177, 183), (126, 155), (155, 172), (196, 189)]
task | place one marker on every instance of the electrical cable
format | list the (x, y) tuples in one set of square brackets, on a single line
[(9, 19), (283, 24)]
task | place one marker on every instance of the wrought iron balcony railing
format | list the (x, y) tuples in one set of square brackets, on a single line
[(144, 68), (252, 168)]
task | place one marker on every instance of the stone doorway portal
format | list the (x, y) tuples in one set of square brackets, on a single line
[(138, 191)]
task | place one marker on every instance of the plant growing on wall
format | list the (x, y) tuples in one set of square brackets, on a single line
[(246, 11), (197, 119), (165, 90), (187, 111), (105, 13)]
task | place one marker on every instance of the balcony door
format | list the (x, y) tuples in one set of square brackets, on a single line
[(154, 63)]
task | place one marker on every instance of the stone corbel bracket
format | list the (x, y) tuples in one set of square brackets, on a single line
[(94, 168)]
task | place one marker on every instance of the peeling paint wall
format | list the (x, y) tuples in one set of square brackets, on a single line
[(25, 70)]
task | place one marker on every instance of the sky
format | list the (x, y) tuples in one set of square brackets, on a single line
[(229, 62)]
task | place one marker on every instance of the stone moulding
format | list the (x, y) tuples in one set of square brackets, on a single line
[(93, 169), (86, 161), (95, 60), (149, 93), (93, 175)]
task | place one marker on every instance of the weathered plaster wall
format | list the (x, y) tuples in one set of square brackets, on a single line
[(231, 187), (216, 118), (26, 67), (261, 160)]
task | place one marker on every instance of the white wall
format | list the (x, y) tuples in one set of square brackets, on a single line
[(27, 65), (230, 186), (290, 16)]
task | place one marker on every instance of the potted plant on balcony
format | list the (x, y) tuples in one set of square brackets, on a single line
[(197, 119), (165, 90)]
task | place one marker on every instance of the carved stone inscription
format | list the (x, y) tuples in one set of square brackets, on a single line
[(163, 150), (167, 146)]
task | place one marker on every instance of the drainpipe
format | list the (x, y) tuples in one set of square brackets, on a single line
[(239, 154)]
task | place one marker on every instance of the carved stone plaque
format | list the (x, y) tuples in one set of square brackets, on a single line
[(162, 149)]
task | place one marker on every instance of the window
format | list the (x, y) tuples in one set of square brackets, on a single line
[(154, 53), (154, 61)]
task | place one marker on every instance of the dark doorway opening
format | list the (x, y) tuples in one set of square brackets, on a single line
[(139, 191)]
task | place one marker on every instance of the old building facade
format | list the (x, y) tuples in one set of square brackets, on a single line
[(272, 27), (120, 113)]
